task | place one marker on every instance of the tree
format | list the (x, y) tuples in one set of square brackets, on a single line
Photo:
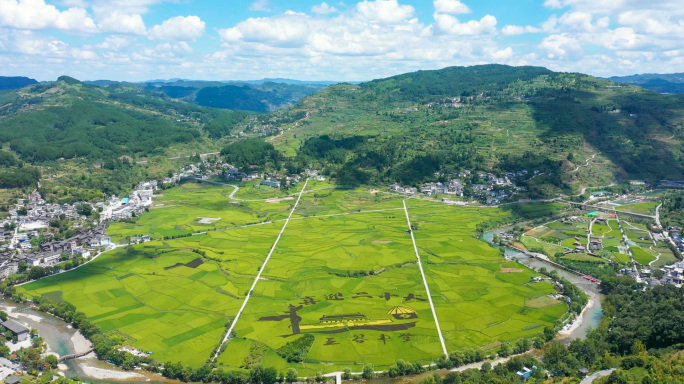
[(486, 367), (505, 350), (291, 375), (368, 372), (52, 361), (3, 316)]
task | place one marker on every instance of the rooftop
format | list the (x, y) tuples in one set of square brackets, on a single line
[(14, 326)]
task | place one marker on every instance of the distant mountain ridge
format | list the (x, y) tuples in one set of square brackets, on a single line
[(256, 96), (661, 83), (15, 82)]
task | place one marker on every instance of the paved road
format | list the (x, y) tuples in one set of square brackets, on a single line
[(258, 276), (427, 288), (590, 379)]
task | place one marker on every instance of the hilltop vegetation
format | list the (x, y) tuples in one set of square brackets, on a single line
[(407, 127), (15, 82), (92, 138), (264, 97)]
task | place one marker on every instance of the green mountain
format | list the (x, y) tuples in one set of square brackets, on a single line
[(576, 130), (105, 134), (661, 83), (15, 82), (264, 97)]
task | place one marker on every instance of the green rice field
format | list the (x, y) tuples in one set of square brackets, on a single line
[(342, 284)]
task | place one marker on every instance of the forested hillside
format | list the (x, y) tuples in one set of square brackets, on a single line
[(264, 97), (15, 82), (91, 139), (576, 130)]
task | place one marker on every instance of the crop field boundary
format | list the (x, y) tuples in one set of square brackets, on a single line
[(258, 276), (427, 288)]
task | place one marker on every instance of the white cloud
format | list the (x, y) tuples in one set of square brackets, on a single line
[(261, 5), (36, 14), (115, 43), (451, 25), (499, 54), (82, 54), (512, 30), (385, 11), (560, 46), (323, 9), (118, 22), (287, 30), (189, 28), (583, 22), (620, 38), (450, 6), (103, 7)]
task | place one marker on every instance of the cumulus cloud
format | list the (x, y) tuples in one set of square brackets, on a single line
[(451, 25), (560, 46), (117, 22), (323, 9), (450, 6), (115, 43), (289, 29), (384, 37), (385, 11), (36, 14), (103, 7), (188, 28)]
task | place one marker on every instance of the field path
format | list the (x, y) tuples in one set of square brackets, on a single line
[(427, 288), (258, 276)]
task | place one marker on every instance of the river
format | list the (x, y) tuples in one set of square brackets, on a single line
[(591, 316)]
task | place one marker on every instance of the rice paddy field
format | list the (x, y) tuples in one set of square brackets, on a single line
[(342, 286)]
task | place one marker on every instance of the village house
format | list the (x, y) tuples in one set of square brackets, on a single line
[(7, 269), (17, 329), (271, 183)]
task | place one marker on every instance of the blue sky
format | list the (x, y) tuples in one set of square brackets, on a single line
[(137, 40)]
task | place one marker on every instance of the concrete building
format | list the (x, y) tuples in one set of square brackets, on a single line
[(19, 330)]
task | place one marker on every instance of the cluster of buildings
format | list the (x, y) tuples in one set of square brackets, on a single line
[(677, 238), (137, 201), (273, 180), (84, 244), (490, 188), (34, 213)]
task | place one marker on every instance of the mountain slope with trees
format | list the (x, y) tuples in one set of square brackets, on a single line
[(100, 139), (576, 130)]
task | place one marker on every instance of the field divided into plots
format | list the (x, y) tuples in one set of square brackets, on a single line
[(342, 286)]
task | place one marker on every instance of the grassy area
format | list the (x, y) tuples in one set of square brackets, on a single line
[(584, 257), (480, 299), (157, 296), (648, 208), (534, 245), (194, 207), (641, 256), (344, 272)]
